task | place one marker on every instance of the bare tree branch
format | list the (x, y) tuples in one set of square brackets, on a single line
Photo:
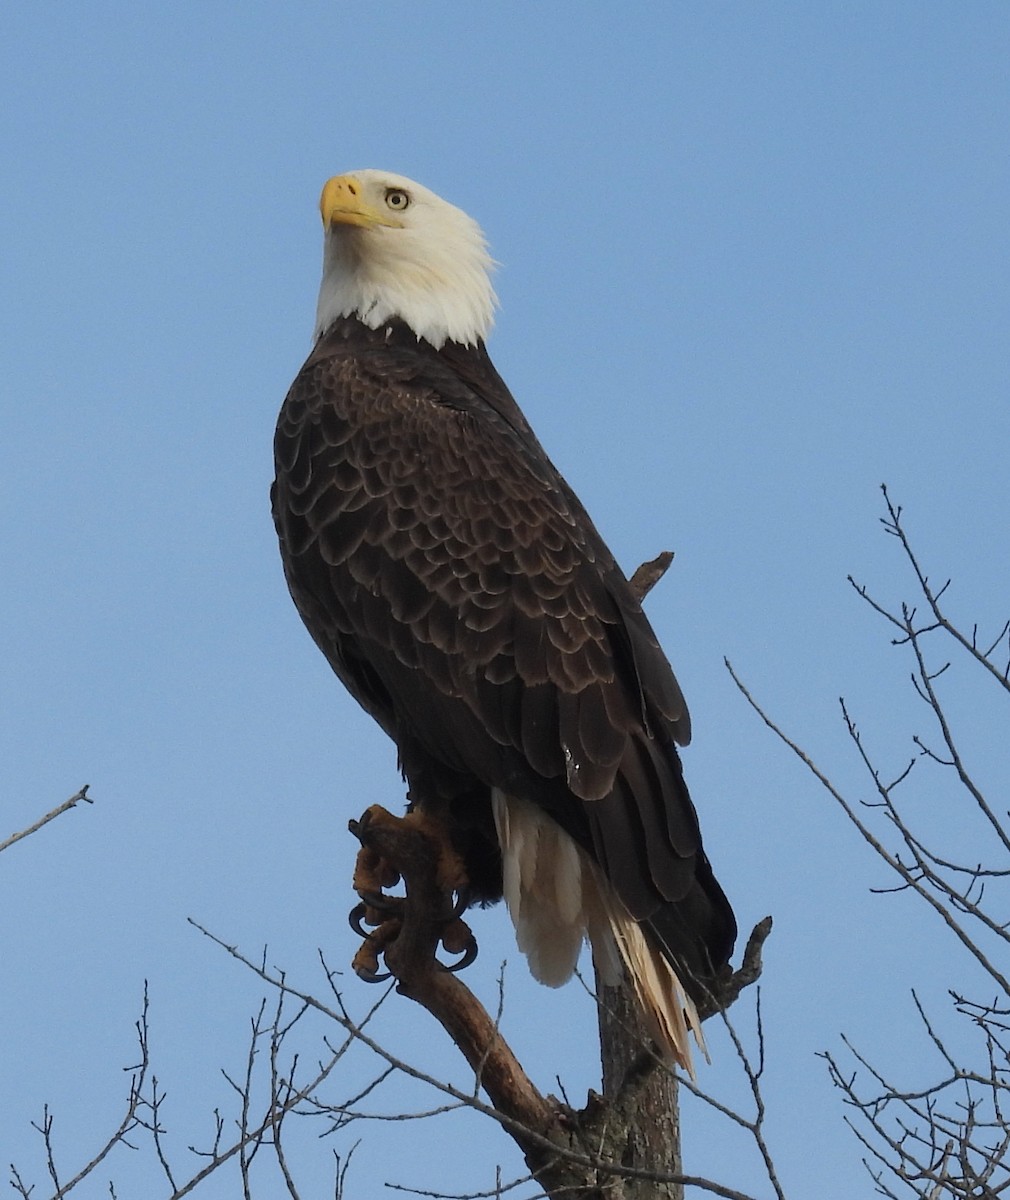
[(552, 1151), (947, 1139), (128, 1123), (74, 800)]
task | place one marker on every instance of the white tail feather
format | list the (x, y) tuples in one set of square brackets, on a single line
[(669, 1011), (556, 897)]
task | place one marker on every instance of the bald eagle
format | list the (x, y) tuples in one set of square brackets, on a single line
[(461, 593)]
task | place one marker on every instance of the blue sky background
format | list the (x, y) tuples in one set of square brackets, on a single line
[(754, 263)]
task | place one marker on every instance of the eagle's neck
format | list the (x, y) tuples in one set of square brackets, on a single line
[(441, 291)]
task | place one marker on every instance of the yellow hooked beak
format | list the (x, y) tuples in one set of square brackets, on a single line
[(343, 203)]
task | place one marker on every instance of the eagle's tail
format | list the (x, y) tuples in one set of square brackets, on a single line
[(670, 1013), (557, 897)]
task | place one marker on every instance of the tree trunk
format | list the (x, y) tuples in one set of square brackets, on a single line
[(644, 1126), (643, 1129)]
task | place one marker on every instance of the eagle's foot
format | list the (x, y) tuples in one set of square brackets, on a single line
[(457, 938), (372, 873), (365, 962), (388, 912), (450, 873), (390, 851)]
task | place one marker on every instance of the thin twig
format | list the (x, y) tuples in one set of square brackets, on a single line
[(576, 1158)]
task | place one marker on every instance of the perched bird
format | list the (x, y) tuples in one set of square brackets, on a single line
[(463, 596)]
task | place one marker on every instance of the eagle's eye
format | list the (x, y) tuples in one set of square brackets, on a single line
[(397, 199)]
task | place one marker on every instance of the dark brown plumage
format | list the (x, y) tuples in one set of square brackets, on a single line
[(465, 599)]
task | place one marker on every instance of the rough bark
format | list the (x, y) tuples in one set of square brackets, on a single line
[(643, 1125)]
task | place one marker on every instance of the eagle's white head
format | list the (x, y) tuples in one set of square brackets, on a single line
[(394, 249)]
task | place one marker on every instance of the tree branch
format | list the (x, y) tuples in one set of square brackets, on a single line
[(50, 816)]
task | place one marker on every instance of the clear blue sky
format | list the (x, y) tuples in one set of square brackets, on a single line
[(753, 264)]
